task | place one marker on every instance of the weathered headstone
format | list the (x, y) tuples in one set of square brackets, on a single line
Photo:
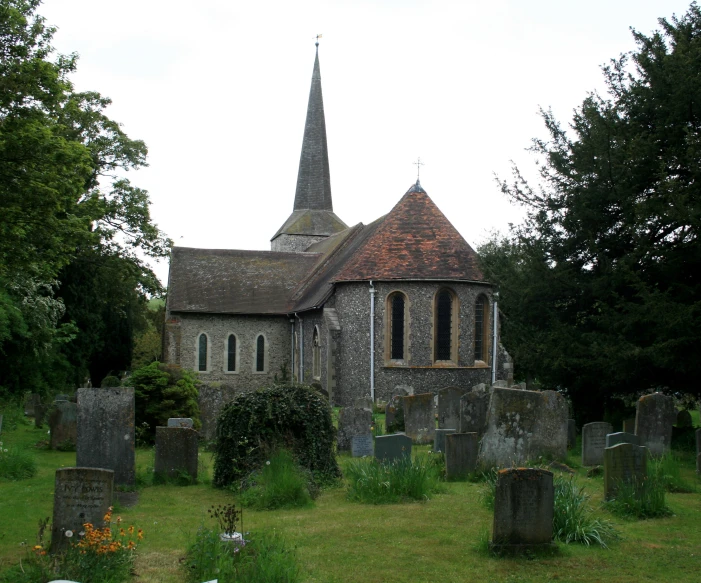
[(63, 419), (629, 425), (594, 442), (31, 400), (684, 419), (461, 451), (524, 505), (40, 411), (81, 495), (362, 445), (105, 436), (449, 408), (61, 397), (419, 418), (524, 425), (364, 403), (176, 452), (352, 421), (571, 433), (621, 437), (392, 447), (473, 410), (180, 422), (624, 463), (654, 418), (439, 440), (698, 451)]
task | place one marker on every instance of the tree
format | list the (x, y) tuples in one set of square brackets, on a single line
[(601, 286)]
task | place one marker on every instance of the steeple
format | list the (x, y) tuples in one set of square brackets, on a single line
[(312, 218)]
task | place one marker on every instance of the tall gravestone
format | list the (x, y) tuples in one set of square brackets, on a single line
[(419, 418), (624, 463), (63, 419), (523, 425), (439, 440), (105, 435), (594, 442), (629, 425), (81, 495), (621, 437), (176, 452), (461, 451), (654, 418), (524, 506), (449, 408), (698, 451), (392, 447), (473, 410), (571, 433), (352, 421)]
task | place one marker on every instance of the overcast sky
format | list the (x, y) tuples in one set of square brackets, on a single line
[(218, 90)]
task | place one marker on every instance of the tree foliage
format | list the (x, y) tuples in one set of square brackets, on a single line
[(601, 287)]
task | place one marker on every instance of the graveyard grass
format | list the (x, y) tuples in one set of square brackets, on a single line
[(337, 540)]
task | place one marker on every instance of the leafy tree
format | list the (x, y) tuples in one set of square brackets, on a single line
[(601, 287)]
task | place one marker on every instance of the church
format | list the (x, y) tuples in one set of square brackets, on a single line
[(358, 311)]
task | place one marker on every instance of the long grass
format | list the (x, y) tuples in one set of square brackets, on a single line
[(643, 498), (668, 471), (16, 463)]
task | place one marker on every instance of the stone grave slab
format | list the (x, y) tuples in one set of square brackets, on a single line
[(63, 418), (362, 445), (654, 418), (392, 447), (419, 418), (449, 408), (181, 422), (624, 463), (473, 410), (461, 450), (439, 440), (176, 452), (621, 437), (352, 421), (594, 442), (571, 433)]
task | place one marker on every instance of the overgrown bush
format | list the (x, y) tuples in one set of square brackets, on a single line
[(110, 381), (16, 464), (162, 391), (255, 423)]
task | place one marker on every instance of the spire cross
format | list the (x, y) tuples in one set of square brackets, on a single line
[(317, 37), (418, 163)]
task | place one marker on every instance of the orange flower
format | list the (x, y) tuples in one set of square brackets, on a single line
[(119, 519), (121, 532), (131, 529), (140, 534)]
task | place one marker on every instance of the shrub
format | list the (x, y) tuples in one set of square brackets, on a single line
[(162, 391), (640, 498), (280, 483), (110, 381), (255, 423), (16, 464), (383, 482)]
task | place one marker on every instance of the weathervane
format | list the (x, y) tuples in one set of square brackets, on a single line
[(418, 163), (317, 37)]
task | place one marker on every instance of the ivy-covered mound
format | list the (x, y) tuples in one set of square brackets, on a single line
[(258, 422)]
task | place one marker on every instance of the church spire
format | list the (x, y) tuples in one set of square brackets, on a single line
[(313, 179)]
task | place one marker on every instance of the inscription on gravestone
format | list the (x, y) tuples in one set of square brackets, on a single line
[(594, 442), (362, 445), (624, 463)]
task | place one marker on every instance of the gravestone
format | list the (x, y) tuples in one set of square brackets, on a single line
[(40, 411), (449, 408), (176, 452), (684, 419), (364, 403), (180, 422), (571, 433), (594, 442), (419, 418), (501, 384), (461, 451), (473, 410), (624, 463), (654, 418), (439, 440), (524, 505), (698, 451), (352, 421), (61, 397), (524, 425), (63, 419), (362, 445), (81, 495), (629, 425), (392, 447), (31, 400), (621, 437), (105, 436)]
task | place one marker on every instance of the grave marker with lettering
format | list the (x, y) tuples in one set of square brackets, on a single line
[(594, 442), (362, 445), (419, 418), (624, 463), (352, 421)]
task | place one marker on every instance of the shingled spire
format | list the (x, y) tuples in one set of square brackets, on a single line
[(312, 218)]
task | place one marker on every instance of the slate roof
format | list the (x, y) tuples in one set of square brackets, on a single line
[(312, 222), (414, 241), (219, 281)]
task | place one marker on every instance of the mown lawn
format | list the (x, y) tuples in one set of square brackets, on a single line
[(441, 540)]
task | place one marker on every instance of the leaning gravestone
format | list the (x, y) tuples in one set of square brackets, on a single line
[(449, 408), (654, 418), (571, 433), (105, 436), (473, 410), (629, 425), (352, 421), (524, 505), (362, 445), (63, 425), (594, 442), (625, 463), (461, 451), (698, 451), (176, 452), (180, 422), (392, 447), (419, 418), (523, 425), (439, 440), (684, 419), (81, 495), (621, 437)]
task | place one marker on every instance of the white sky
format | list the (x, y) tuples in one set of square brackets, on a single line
[(218, 90)]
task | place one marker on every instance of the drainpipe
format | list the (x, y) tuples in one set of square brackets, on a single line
[(494, 339), (372, 342), (301, 349), (292, 350)]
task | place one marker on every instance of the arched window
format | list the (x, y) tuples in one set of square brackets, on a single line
[(260, 354), (397, 327), (231, 353), (316, 354), (202, 353), (481, 329), (445, 334)]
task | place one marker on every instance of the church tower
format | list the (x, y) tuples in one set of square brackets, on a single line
[(312, 218)]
